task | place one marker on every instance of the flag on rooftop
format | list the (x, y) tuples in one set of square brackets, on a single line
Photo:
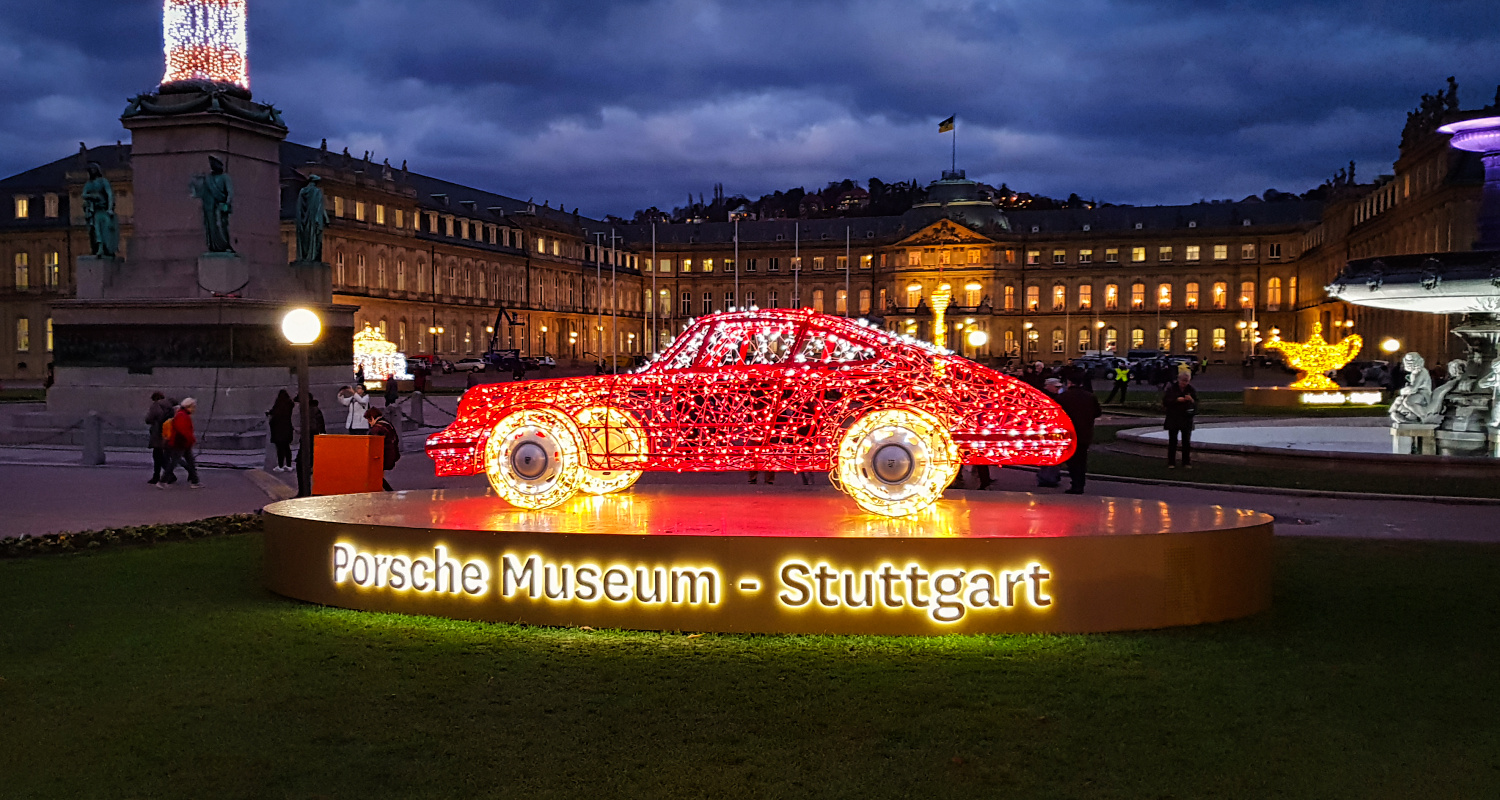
[(947, 124)]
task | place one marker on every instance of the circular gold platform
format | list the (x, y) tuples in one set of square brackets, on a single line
[(775, 560)]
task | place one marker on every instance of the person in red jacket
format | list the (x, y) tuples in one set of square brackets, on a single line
[(181, 445)]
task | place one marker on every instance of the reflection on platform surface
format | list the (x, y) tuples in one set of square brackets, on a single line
[(748, 511)]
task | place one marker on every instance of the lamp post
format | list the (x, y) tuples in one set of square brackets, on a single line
[(301, 327)]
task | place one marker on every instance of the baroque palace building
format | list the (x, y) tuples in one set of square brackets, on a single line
[(435, 264)]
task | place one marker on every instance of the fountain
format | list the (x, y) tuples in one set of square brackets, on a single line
[(1461, 417)]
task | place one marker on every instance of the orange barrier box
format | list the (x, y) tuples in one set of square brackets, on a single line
[(347, 464)]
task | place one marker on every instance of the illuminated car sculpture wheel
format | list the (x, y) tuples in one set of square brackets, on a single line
[(890, 418)]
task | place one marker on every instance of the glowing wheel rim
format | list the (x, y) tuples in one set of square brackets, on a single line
[(613, 434), (532, 458), (896, 462)]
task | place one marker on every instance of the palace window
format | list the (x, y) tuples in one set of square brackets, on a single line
[(708, 265), (1111, 339), (23, 335), (1033, 257), (1190, 340), (1137, 254), (1137, 338), (866, 260), (23, 207), (1059, 297), (400, 218), (773, 265), (1192, 252), (1085, 256), (359, 269), (338, 206), (1190, 296), (841, 302), (1033, 299), (973, 295), (1221, 252), (817, 300), (750, 265), (50, 207), (1059, 341), (1112, 255), (1138, 296), (914, 258), (1085, 297), (1164, 295), (687, 265), (750, 300), (773, 299), (1164, 254), (1033, 339), (1111, 297), (400, 274), (818, 263), (1291, 292), (973, 256), (1247, 294), (401, 335), (687, 303), (841, 263), (1221, 296), (864, 302), (1010, 298), (708, 303), (359, 210), (1010, 343), (1273, 294), (1247, 252), (1220, 341), (1084, 339), (664, 265), (1164, 339), (1273, 251), (51, 269), (1059, 256), (379, 214), (728, 301), (23, 271)]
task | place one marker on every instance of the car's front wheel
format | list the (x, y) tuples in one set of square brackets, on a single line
[(533, 458), (896, 461), (612, 437)]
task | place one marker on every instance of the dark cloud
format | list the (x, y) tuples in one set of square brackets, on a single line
[(618, 104)]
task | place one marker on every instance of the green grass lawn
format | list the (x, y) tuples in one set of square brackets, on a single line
[(167, 671), (23, 395)]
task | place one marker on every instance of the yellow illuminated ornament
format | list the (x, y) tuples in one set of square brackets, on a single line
[(1316, 357), (611, 436), (206, 40), (378, 357), (941, 299)]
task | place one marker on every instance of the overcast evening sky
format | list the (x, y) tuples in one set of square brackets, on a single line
[(617, 105)]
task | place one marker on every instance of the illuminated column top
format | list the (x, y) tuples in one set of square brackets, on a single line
[(206, 41)]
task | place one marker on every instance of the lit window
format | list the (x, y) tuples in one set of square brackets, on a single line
[(973, 295), (1111, 297), (359, 210), (1033, 339), (379, 215), (338, 206), (914, 258), (1190, 295), (817, 300), (50, 204), (1137, 254), (1085, 256), (841, 302), (400, 218), (1059, 256), (1010, 298), (665, 265), (1221, 252), (1221, 295), (1085, 297), (842, 263), (49, 334), (1111, 339), (556, 249), (1247, 294), (23, 270), (1164, 339), (1112, 255), (1010, 343), (1033, 299), (1164, 254), (1192, 253), (1220, 341), (1247, 252), (1059, 341), (23, 335), (1138, 296), (818, 263), (51, 269), (866, 261), (1273, 294), (1137, 338), (1291, 292), (687, 265), (1190, 340), (23, 207), (1164, 295), (1059, 297), (708, 265), (973, 256), (913, 296), (864, 300), (1033, 257), (1084, 339), (541, 243)]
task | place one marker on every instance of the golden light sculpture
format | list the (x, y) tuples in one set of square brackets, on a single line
[(1315, 357), (941, 299), (379, 358), (616, 435)]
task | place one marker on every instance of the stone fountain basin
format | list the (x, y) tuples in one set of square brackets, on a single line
[(1325, 437)]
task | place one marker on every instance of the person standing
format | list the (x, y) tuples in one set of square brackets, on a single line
[(1122, 383), (1181, 404), (1050, 477), (160, 411), (181, 446), (281, 430), (358, 402), (380, 426), (392, 392), (1082, 408)]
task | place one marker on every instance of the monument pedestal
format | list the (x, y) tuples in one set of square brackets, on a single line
[(223, 274), (1410, 438), (97, 276)]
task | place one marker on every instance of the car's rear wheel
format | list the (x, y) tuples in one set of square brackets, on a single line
[(896, 462), (533, 458), (614, 437)]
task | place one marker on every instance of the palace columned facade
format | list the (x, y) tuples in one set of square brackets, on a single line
[(433, 264)]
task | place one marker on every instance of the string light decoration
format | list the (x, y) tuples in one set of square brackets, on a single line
[(1315, 357), (889, 417), (378, 357), (206, 40), (941, 299)]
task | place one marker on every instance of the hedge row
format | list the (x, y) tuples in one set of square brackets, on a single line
[(23, 546)]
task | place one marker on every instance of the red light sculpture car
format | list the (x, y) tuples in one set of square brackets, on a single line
[(890, 418)]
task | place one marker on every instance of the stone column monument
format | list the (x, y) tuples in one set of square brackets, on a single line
[(195, 307)]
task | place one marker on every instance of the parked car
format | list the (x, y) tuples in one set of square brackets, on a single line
[(1098, 367), (786, 390), (470, 364)]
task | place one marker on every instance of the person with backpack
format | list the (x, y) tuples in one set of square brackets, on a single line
[(178, 434), (382, 427), (159, 412)]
